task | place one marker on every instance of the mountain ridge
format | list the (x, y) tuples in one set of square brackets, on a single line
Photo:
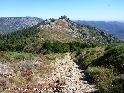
[(10, 24), (57, 31), (112, 27)]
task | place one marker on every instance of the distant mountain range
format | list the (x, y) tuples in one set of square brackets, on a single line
[(9, 24), (113, 27)]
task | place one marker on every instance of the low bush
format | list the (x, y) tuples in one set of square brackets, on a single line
[(105, 70), (112, 86), (20, 55), (113, 57), (59, 47), (88, 55), (104, 78), (100, 74), (118, 84)]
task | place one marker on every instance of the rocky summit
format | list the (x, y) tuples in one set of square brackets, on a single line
[(63, 29)]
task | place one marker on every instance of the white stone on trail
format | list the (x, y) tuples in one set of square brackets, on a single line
[(67, 72)]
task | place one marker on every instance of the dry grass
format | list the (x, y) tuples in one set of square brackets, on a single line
[(28, 70)]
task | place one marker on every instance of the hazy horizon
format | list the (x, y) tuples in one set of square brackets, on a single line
[(89, 10)]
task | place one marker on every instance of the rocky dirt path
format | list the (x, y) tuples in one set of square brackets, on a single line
[(68, 77)]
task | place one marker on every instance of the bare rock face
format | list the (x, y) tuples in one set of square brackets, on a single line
[(9, 24), (5, 70), (6, 77), (63, 28)]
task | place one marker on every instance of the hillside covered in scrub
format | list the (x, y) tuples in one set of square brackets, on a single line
[(105, 66), (56, 31), (60, 56)]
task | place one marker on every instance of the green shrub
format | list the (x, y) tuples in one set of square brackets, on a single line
[(19, 55), (114, 86), (59, 47), (100, 74), (113, 57), (104, 79), (118, 85), (105, 86), (110, 46), (16, 41), (106, 69), (91, 54)]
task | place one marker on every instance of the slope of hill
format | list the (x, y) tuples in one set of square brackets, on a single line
[(112, 27), (60, 56), (105, 66), (9, 24), (61, 30)]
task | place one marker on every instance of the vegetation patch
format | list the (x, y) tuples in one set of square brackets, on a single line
[(20, 55), (59, 47), (113, 57), (105, 67)]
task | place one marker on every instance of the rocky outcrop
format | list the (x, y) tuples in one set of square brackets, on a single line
[(64, 27), (9, 24), (6, 77), (5, 70)]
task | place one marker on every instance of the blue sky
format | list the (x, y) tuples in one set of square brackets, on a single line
[(74, 9)]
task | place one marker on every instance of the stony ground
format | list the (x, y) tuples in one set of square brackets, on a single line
[(64, 77), (68, 77)]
